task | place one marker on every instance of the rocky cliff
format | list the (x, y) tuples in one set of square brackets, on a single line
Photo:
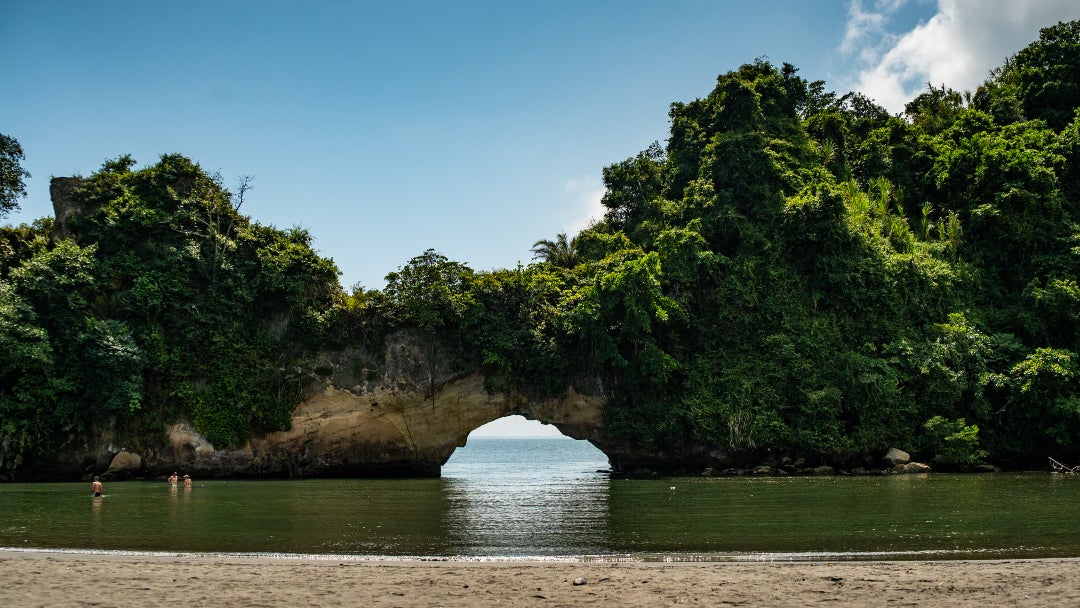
[(396, 425)]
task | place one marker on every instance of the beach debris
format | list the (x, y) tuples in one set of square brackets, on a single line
[(1057, 467), (579, 581)]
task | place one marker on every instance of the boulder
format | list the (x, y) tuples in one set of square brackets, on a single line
[(124, 463), (897, 457)]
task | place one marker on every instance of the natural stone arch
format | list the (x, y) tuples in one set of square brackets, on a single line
[(376, 414), (408, 433)]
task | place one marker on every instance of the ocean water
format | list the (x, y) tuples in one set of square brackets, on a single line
[(552, 498)]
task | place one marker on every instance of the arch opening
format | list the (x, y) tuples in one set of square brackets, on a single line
[(522, 488), (511, 445), (516, 426)]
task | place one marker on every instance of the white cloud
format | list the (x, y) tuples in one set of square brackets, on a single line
[(865, 32), (587, 191), (957, 46)]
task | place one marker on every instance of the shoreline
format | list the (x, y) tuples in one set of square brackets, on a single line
[(939, 556), (34, 578)]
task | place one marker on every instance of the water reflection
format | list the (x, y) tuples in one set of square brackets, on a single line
[(485, 507), (528, 497), (95, 517), (866, 517)]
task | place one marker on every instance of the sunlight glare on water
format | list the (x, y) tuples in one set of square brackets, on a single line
[(512, 494)]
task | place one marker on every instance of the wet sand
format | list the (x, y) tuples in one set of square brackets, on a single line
[(77, 579)]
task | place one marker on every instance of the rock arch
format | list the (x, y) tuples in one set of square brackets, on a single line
[(366, 414), (384, 431), (410, 433)]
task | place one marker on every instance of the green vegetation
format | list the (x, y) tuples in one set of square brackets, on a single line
[(167, 303), (11, 174), (795, 272)]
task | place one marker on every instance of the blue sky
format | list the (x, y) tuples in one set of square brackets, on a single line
[(474, 128)]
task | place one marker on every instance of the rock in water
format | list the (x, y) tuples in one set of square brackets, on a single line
[(895, 457)]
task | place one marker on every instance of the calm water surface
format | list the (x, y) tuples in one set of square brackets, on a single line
[(545, 498)]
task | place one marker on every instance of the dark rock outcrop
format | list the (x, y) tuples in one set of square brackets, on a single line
[(64, 206)]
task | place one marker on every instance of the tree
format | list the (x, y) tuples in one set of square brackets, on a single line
[(12, 187), (425, 292), (935, 109), (430, 293), (632, 187), (1048, 74), (560, 252)]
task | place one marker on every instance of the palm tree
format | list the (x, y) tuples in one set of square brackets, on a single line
[(560, 252)]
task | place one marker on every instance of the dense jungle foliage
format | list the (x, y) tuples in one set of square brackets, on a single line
[(795, 271)]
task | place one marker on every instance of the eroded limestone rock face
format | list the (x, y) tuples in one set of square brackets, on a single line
[(381, 431), (393, 413), (64, 208), (400, 413)]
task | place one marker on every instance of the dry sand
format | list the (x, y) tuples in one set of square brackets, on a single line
[(71, 579)]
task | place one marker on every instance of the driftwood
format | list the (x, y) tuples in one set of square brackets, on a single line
[(1057, 467)]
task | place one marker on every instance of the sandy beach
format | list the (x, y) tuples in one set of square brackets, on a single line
[(72, 579)]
